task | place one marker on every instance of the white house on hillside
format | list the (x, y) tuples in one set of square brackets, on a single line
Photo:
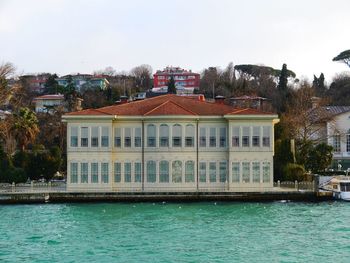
[(170, 143)]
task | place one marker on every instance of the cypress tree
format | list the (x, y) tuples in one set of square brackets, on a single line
[(283, 79), (171, 86)]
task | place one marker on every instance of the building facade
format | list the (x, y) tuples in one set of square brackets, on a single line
[(170, 143), (185, 80), (83, 82)]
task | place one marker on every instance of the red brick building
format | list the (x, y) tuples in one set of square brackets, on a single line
[(185, 80)]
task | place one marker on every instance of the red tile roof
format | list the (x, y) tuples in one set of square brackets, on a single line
[(169, 104), (50, 97)]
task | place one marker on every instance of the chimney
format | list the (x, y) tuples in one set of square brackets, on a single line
[(219, 99)]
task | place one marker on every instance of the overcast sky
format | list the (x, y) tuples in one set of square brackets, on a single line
[(69, 36)]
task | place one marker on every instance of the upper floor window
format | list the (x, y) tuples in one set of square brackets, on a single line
[(235, 136), (164, 135), (137, 138), (202, 137), (223, 137), (256, 137), (245, 136), (94, 137), (84, 139), (74, 136), (117, 137), (105, 137), (127, 137), (212, 137), (266, 136), (336, 143), (177, 131), (151, 135), (189, 139)]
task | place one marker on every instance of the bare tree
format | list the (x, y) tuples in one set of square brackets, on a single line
[(143, 76)]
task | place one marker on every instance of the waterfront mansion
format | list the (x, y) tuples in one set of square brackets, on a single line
[(170, 143)]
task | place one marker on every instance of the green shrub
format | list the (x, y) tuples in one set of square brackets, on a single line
[(16, 175), (294, 172)]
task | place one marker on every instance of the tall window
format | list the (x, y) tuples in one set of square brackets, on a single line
[(74, 136), (189, 171), (127, 172), (245, 136), (266, 172), (202, 137), (127, 137), (117, 172), (202, 172), (256, 137), (137, 138), (222, 172), (164, 172), (117, 137), (235, 172), (348, 142), (105, 137), (189, 138), (151, 135), (104, 172), (74, 172), (151, 171), (84, 139), (212, 172), (137, 172), (235, 136), (246, 172), (212, 137), (266, 136), (223, 137), (256, 172), (336, 143), (84, 172), (177, 132), (177, 172), (94, 173), (164, 135), (94, 137)]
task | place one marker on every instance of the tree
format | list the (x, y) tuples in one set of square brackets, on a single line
[(320, 157), (339, 90), (283, 79), (6, 92), (343, 57), (51, 84), (25, 127), (319, 86), (171, 86), (143, 76)]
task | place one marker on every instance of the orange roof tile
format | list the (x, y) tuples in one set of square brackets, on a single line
[(169, 104)]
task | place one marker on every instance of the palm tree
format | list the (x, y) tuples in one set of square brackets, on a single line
[(25, 127)]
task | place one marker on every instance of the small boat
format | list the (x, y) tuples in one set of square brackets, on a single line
[(340, 186)]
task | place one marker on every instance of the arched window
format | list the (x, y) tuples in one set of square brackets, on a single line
[(177, 172), (189, 172), (189, 137), (177, 131), (164, 135), (151, 135)]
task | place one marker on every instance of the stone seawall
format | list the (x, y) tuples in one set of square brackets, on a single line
[(71, 197)]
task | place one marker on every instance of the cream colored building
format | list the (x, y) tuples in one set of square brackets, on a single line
[(170, 143)]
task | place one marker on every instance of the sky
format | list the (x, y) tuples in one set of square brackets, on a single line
[(73, 36)]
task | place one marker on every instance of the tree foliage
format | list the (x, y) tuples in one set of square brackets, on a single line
[(344, 57), (171, 86)]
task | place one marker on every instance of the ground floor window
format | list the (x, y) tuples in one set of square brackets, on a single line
[(189, 172), (177, 171), (127, 172), (202, 172), (104, 172), (151, 171), (256, 172), (222, 172), (246, 172), (117, 172), (212, 172), (266, 172), (137, 172), (164, 172), (74, 172), (236, 172), (84, 172), (94, 172)]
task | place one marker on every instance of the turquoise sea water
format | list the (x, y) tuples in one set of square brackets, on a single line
[(162, 232)]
